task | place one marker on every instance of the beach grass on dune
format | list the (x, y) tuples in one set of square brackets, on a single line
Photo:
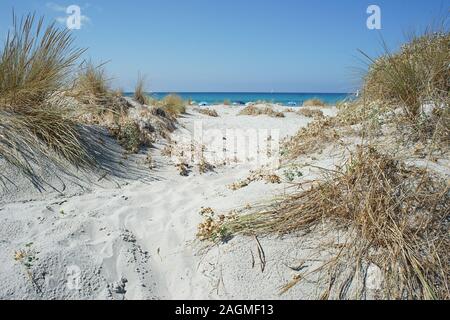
[(207, 112), (92, 85), (312, 138), (311, 113), (128, 135), (173, 104), (35, 62), (35, 65), (54, 131), (139, 91), (257, 111), (395, 215), (412, 77), (39, 136), (96, 101), (314, 103)]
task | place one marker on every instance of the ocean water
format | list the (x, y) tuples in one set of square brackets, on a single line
[(244, 97)]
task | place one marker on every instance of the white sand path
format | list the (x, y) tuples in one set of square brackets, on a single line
[(138, 241)]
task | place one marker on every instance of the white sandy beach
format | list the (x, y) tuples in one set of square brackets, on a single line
[(258, 160), (133, 235)]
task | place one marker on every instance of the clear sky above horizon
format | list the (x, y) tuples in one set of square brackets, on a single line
[(225, 46)]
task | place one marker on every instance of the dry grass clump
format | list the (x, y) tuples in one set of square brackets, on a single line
[(211, 228), (207, 111), (439, 124), (34, 66), (96, 103), (149, 161), (173, 104), (311, 138), (204, 166), (256, 111), (57, 132), (325, 130), (117, 92), (102, 106), (167, 151), (183, 169), (397, 218), (432, 129), (413, 83), (314, 103), (306, 112), (272, 113), (250, 111), (139, 127), (34, 62), (27, 138), (351, 113), (96, 100), (91, 85), (256, 175), (139, 91)]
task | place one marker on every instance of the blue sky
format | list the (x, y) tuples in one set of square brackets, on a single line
[(235, 45)]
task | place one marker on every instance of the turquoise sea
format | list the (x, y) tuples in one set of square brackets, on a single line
[(245, 97)]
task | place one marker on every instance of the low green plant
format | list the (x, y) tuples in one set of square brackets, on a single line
[(129, 136), (292, 173), (26, 256)]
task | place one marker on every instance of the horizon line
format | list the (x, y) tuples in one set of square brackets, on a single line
[(251, 92)]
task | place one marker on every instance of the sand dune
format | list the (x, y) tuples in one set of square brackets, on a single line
[(132, 234)]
